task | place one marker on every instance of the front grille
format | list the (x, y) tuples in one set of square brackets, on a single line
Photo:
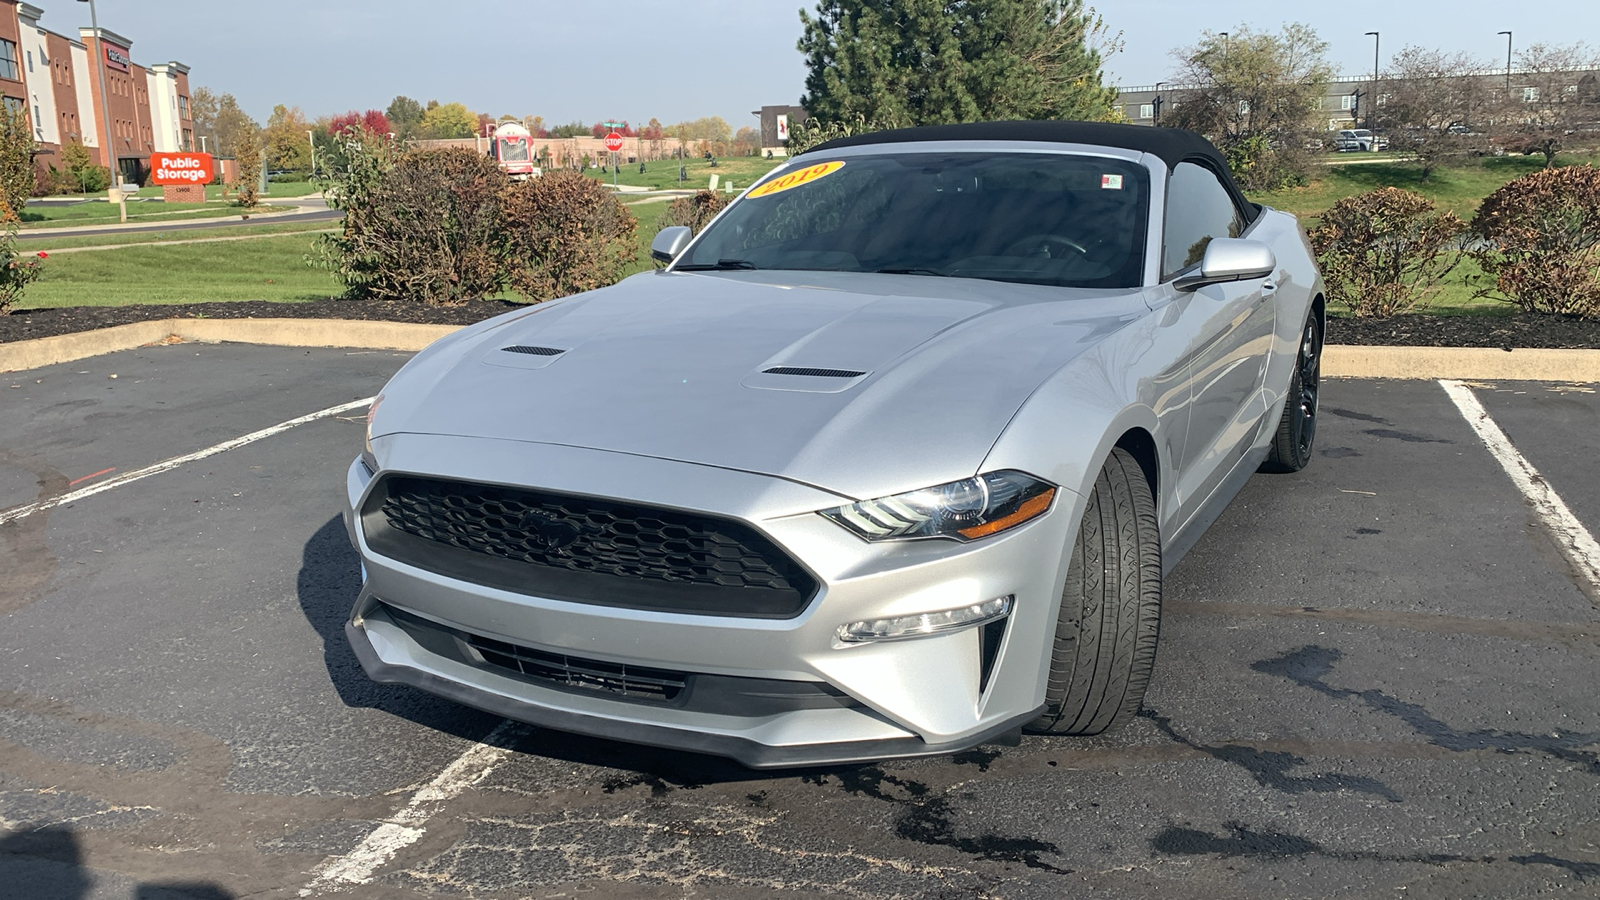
[(593, 551), (621, 679)]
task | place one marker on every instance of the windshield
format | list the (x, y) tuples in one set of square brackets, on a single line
[(1038, 218)]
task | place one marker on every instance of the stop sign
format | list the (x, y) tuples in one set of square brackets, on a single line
[(614, 142)]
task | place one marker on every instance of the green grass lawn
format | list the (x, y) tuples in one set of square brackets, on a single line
[(272, 268), (1458, 189), (663, 174)]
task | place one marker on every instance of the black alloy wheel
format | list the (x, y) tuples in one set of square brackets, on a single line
[(1297, 429)]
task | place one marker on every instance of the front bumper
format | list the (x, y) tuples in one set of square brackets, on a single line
[(927, 696)]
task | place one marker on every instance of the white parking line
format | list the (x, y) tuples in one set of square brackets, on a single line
[(406, 827), (20, 512), (1574, 540)]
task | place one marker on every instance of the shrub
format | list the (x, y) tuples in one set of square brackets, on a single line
[(79, 174), (16, 159), (1385, 251), (567, 233), (247, 156), (1540, 241), (695, 211), (16, 273), (425, 225)]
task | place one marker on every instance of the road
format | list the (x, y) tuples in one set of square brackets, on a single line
[(310, 210), (1376, 677)]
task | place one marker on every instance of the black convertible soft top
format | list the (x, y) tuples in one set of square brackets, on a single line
[(1172, 145)]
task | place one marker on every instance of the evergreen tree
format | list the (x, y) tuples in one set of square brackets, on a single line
[(928, 62)]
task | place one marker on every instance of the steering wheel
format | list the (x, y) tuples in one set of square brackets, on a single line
[(1047, 246)]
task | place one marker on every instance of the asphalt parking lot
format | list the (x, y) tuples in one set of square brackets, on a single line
[(1377, 678)]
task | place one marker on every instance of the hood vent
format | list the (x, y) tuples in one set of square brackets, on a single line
[(812, 373), (533, 351)]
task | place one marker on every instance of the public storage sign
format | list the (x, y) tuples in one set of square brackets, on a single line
[(181, 168)]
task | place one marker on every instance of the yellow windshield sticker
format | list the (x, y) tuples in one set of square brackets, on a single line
[(795, 179)]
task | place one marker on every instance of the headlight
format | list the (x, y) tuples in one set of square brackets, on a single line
[(963, 510), (367, 456)]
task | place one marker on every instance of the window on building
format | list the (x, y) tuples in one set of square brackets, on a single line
[(15, 105), (188, 140), (38, 120), (1530, 95), (30, 60), (1244, 107), (183, 107), (1147, 110), (8, 61), (1346, 102), (1199, 210)]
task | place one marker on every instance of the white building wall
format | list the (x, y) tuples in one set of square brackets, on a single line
[(164, 108), (41, 87), (83, 81)]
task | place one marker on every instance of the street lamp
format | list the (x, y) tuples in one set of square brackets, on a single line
[(311, 136), (1372, 98), (105, 105), (1508, 61), (1156, 105)]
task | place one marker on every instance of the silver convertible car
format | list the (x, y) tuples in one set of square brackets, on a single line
[(889, 460)]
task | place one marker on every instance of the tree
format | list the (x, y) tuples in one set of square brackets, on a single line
[(287, 146), (924, 62), (652, 131), (710, 129), (1426, 94), (1554, 100), (372, 122), (450, 120), (535, 126), (572, 129), (203, 111), (232, 126), (747, 142), (16, 163), (405, 117), (247, 153), (1257, 96)]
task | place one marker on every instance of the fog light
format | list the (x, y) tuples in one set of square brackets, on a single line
[(926, 623)]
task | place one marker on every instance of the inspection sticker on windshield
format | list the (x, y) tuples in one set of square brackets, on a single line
[(796, 179), (1111, 182)]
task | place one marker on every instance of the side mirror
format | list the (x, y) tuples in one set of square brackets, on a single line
[(1230, 259), (670, 242)]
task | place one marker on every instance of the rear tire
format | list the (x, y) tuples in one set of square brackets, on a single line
[(1106, 634), (1297, 429)]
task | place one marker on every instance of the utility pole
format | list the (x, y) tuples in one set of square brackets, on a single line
[(1508, 63), (105, 106), (1372, 95)]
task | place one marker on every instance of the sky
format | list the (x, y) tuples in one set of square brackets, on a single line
[(683, 59)]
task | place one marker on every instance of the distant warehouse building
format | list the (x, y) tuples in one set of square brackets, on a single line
[(53, 78)]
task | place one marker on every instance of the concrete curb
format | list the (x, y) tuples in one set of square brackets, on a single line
[(1337, 361), (21, 355)]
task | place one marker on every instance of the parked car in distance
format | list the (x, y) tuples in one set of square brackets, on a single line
[(1354, 139), (890, 460)]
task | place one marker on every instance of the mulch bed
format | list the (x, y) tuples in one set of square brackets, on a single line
[(1519, 330)]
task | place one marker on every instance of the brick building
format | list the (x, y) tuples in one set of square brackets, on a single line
[(54, 78)]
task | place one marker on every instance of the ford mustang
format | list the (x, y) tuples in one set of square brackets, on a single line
[(889, 460)]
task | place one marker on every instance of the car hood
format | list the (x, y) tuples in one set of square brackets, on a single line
[(884, 382)]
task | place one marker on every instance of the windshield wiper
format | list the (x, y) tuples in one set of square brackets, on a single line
[(721, 265), (909, 270)]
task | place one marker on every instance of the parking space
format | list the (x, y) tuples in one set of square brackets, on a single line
[(1375, 677)]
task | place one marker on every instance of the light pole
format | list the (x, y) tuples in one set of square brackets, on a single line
[(105, 105), (311, 136), (1508, 61), (1155, 105), (1372, 95), (1225, 43)]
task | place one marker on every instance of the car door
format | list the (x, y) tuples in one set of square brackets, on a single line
[(1230, 328)]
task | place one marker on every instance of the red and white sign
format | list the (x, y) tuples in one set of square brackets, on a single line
[(614, 142), (117, 57), (181, 168)]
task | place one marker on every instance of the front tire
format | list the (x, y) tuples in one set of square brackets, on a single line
[(1297, 429), (1110, 620)]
